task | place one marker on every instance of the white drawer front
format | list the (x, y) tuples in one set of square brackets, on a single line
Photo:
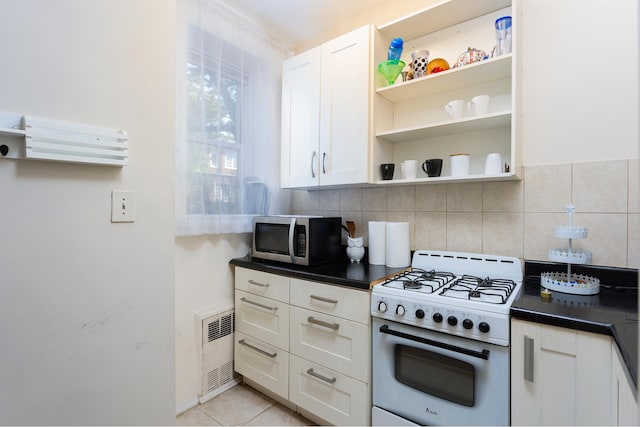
[(334, 342), (335, 397), (263, 284), (262, 363), (347, 303), (263, 318)]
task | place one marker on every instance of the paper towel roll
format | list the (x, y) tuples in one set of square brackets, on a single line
[(398, 246), (377, 242)]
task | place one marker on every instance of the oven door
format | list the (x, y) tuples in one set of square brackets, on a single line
[(432, 378)]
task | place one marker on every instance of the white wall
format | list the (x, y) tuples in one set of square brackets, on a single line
[(204, 282), (87, 306), (580, 85)]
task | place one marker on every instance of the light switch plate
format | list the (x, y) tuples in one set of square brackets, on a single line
[(123, 206)]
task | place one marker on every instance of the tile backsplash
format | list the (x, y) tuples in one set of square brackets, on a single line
[(513, 218)]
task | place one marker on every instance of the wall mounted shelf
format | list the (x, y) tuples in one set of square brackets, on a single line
[(439, 16), (28, 137), (449, 179), (468, 75), (467, 124)]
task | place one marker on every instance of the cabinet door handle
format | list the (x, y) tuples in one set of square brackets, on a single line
[(243, 299), (322, 377), (262, 285), (315, 321), (528, 358), (259, 350), (313, 160), (323, 299), (324, 166)]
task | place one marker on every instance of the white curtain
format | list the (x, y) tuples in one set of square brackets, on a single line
[(228, 141)]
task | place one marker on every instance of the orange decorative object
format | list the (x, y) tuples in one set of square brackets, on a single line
[(437, 65)]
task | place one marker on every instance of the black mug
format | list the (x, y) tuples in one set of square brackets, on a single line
[(432, 167), (387, 170)]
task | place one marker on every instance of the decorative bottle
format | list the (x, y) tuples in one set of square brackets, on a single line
[(395, 49)]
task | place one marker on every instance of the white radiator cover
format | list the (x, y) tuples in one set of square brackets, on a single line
[(217, 354)]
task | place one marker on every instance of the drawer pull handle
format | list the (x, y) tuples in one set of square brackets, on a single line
[(528, 358), (315, 321), (322, 377), (243, 299), (259, 350), (263, 285), (323, 299)]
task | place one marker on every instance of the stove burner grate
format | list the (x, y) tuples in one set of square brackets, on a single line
[(495, 291), (421, 280)]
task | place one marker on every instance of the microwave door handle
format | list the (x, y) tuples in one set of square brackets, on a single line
[(484, 354), (292, 230)]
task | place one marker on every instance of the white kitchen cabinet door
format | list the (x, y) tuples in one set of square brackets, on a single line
[(338, 301), (263, 318), (559, 376), (625, 405), (264, 284), (344, 112), (301, 120), (265, 364), (332, 396), (336, 343)]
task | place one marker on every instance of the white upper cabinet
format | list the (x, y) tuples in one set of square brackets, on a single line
[(410, 119), (325, 113), (344, 114), (301, 119)]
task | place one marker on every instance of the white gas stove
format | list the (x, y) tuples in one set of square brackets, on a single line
[(463, 294)]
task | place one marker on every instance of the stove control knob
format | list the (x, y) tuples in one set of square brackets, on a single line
[(467, 324), (484, 327), (420, 313), (437, 317), (382, 306), (400, 310), (452, 321)]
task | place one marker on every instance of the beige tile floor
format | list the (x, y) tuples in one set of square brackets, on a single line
[(241, 405)]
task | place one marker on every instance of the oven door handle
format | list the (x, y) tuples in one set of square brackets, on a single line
[(484, 354)]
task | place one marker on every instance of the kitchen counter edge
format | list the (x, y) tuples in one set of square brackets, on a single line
[(357, 276)]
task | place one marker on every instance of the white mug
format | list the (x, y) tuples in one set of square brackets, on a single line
[(493, 164), (479, 105), (459, 164), (455, 108), (410, 169)]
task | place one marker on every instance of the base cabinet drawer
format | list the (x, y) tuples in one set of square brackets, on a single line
[(264, 284), (262, 363), (336, 343), (337, 398), (263, 318), (334, 300)]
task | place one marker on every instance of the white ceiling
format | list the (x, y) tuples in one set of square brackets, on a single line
[(296, 21)]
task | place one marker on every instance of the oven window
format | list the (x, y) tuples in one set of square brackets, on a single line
[(272, 238), (435, 374)]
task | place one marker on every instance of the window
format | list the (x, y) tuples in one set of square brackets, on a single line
[(227, 151), (214, 128)]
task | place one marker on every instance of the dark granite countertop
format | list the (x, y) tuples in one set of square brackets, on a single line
[(614, 311), (341, 272)]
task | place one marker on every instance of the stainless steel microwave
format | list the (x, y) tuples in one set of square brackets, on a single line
[(303, 240)]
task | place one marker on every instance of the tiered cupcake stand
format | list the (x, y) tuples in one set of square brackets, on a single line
[(568, 282)]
